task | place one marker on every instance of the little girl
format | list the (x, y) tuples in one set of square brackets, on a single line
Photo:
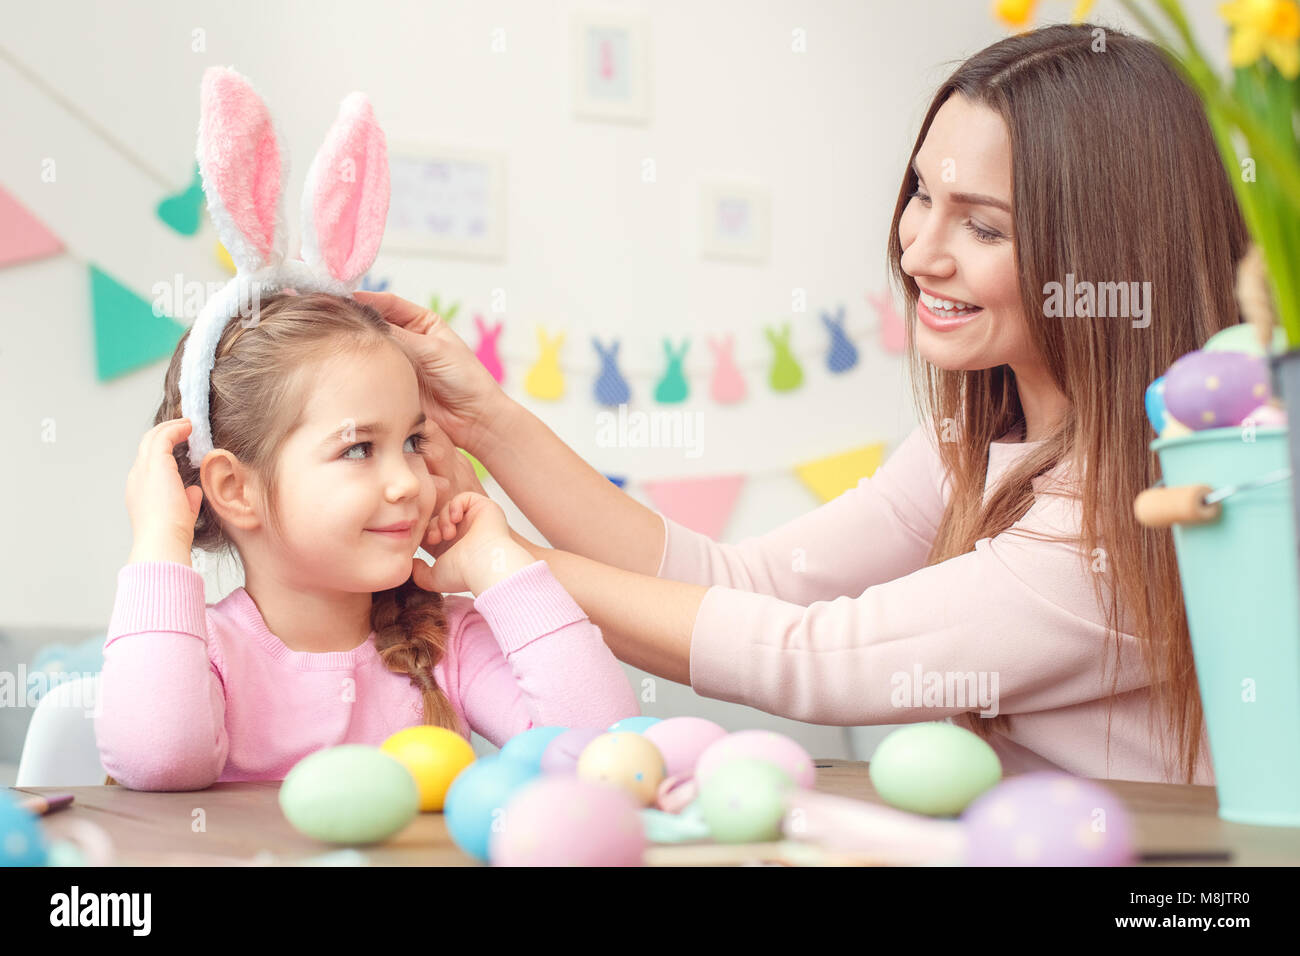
[(316, 480)]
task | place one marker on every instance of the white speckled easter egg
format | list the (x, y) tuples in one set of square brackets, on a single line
[(562, 820), (627, 760), (760, 745), (1048, 819), (933, 768), (349, 794), (1215, 389)]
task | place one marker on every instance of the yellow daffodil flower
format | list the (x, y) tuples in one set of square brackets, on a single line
[(1264, 28)]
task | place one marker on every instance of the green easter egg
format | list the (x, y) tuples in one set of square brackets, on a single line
[(935, 769), (349, 794), (743, 801), (1242, 337)]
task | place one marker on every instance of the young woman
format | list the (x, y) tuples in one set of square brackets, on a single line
[(991, 571)]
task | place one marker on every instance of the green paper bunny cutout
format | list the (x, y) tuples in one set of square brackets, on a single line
[(672, 387), (786, 373), (545, 380)]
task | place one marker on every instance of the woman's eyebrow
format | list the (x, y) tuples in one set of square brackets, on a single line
[(970, 199), (375, 428)]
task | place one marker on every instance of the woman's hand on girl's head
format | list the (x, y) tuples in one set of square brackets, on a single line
[(162, 510), (461, 395)]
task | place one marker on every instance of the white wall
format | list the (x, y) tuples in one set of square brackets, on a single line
[(591, 247)]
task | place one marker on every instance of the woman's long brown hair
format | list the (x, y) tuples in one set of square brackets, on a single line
[(1115, 178), (257, 391)]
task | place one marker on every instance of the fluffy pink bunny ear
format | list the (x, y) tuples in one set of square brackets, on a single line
[(243, 169), (345, 200)]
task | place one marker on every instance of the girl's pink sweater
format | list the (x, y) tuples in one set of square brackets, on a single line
[(192, 694)]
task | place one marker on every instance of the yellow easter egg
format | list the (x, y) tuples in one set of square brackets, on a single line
[(434, 756), (626, 760)]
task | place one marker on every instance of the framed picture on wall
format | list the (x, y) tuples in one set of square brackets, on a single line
[(734, 220), (446, 201), (611, 67)]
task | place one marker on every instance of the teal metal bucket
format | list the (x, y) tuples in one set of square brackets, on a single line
[(1239, 581)]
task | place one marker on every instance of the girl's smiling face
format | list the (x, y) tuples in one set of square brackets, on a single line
[(351, 467), (956, 234)]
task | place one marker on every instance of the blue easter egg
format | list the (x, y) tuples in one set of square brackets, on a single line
[(528, 746), (1155, 402), (634, 725), (478, 797), (22, 842)]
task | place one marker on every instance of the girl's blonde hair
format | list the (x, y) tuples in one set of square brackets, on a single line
[(1115, 178), (258, 389)]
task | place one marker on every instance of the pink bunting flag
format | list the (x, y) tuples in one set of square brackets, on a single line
[(22, 236), (701, 504)]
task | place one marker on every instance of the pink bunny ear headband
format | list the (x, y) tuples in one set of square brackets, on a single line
[(243, 166)]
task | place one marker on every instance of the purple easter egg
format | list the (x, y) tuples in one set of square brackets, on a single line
[(1048, 819), (1215, 389), (561, 754)]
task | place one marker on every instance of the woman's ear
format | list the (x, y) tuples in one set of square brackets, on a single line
[(231, 490)]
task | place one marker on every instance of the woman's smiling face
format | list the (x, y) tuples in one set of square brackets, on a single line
[(956, 234)]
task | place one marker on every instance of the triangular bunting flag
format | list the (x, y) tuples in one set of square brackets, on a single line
[(618, 480), (701, 504), (128, 334), (830, 477), (22, 236)]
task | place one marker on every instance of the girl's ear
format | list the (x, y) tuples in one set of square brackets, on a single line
[(243, 168), (345, 199), (230, 490)]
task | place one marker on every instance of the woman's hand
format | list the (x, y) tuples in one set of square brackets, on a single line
[(478, 552), (461, 396), (161, 508)]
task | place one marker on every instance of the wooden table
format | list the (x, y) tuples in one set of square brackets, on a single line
[(241, 824)]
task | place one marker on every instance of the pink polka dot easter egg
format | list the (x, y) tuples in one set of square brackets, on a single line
[(1215, 389), (681, 740), (1048, 819), (561, 754), (565, 821), (762, 745)]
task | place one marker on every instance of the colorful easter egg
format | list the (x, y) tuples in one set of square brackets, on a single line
[(22, 841), (626, 760), (562, 753), (1215, 389), (531, 744), (478, 797), (433, 756), (760, 745), (351, 793), (1048, 819), (1243, 337), (567, 821), (933, 768), (743, 801), (1155, 404), (681, 740), (636, 725)]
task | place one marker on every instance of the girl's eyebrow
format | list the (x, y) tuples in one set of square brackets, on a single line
[(970, 199), (375, 428)]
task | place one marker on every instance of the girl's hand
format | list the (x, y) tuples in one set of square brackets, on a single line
[(460, 395), (453, 475), (161, 508), (479, 549)]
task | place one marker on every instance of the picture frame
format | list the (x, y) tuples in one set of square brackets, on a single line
[(611, 67), (735, 220), (446, 201)]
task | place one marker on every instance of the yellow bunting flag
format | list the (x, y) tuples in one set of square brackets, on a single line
[(223, 257), (478, 467), (830, 477)]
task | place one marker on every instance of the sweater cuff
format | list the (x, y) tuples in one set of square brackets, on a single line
[(158, 596), (719, 654), (527, 605)]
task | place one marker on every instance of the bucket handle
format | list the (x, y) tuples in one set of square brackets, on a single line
[(1160, 507)]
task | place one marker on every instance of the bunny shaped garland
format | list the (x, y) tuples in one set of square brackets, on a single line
[(244, 167)]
